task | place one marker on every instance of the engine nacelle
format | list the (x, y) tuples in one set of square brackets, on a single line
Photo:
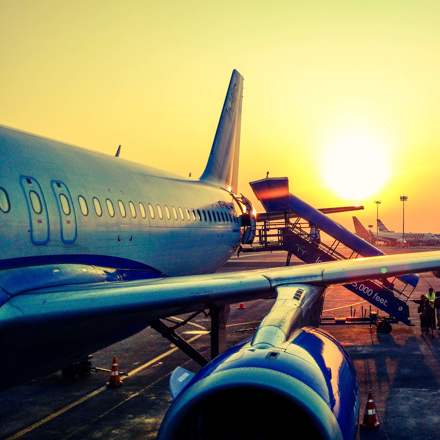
[(306, 385)]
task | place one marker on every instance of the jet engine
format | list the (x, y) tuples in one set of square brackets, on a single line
[(304, 387)]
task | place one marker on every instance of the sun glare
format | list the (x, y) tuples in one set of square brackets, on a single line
[(355, 165)]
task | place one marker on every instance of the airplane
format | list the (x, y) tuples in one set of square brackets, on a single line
[(362, 231), (411, 238), (392, 238), (96, 248)]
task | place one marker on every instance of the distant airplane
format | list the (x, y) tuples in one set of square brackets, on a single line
[(395, 238), (95, 248), (363, 232), (411, 238)]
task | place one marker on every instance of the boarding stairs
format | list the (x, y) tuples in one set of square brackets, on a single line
[(297, 237)]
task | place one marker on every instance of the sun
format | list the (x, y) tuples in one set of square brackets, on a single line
[(355, 165)]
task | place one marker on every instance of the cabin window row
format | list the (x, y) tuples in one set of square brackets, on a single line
[(157, 211), (154, 211)]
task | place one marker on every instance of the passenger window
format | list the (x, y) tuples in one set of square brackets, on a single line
[(181, 214), (223, 216), (174, 213), (151, 209), (122, 208), (204, 215), (110, 208), (5, 206), (199, 214), (65, 205), (142, 210), (194, 215), (83, 205), (35, 202), (159, 212), (209, 215), (167, 212), (98, 207), (132, 209), (188, 215)]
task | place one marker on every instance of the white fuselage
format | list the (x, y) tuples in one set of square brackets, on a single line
[(410, 237), (53, 195)]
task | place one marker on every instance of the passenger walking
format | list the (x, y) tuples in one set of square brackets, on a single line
[(437, 307)]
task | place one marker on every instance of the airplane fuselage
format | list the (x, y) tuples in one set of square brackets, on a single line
[(68, 205), (410, 238)]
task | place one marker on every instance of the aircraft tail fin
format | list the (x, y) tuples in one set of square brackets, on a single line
[(222, 166), (381, 226), (361, 230)]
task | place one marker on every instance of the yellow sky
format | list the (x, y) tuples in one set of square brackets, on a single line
[(152, 76)]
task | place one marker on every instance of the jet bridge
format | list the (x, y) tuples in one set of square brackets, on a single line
[(313, 237)]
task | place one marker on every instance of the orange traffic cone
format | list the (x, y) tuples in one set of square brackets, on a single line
[(241, 306), (371, 421), (115, 380)]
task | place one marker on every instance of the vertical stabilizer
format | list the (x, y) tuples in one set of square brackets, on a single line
[(381, 226), (222, 166), (361, 230)]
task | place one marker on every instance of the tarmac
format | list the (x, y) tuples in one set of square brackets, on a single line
[(401, 369)]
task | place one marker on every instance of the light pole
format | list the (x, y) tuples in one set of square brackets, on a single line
[(403, 199), (378, 202)]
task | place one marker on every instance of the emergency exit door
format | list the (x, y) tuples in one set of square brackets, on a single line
[(37, 210), (66, 211)]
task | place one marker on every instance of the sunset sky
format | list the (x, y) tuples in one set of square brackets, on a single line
[(330, 86)]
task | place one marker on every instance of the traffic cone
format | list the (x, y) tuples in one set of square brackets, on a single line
[(371, 421), (115, 380), (241, 306)]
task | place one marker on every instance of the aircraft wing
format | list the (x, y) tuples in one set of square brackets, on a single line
[(167, 296)]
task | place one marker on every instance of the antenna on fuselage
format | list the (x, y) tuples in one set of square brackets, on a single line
[(118, 151)]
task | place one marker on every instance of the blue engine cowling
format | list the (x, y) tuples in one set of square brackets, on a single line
[(305, 388)]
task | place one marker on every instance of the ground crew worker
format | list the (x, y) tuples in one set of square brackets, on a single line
[(437, 307), (423, 304), (431, 296), (430, 311)]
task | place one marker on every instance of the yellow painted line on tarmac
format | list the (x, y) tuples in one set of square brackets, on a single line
[(92, 394), (194, 324), (159, 358), (56, 414), (237, 324), (343, 307)]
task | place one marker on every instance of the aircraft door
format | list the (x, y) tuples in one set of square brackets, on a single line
[(37, 209), (66, 211)]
